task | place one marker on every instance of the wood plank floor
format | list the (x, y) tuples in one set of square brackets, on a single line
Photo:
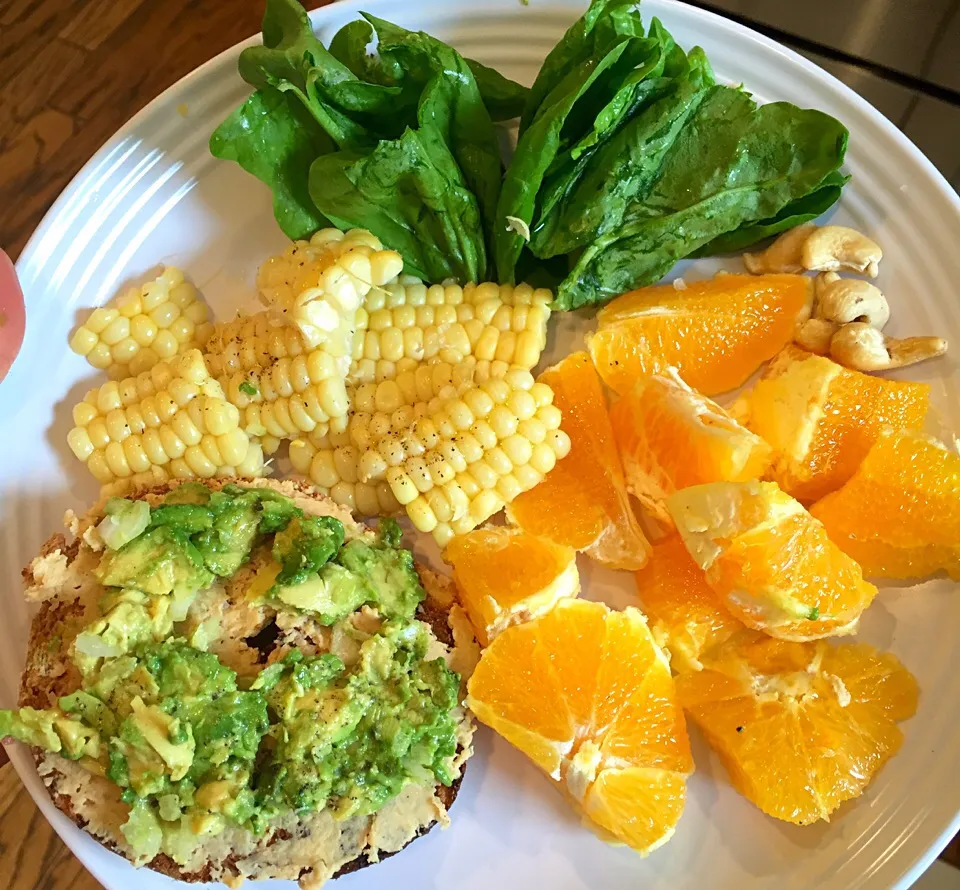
[(71, 72)]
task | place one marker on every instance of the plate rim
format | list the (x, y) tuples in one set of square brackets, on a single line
[(74, 838)]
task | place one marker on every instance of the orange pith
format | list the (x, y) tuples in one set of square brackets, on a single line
[(770, 562), (671, 437), (587, 695), (505, 576), (899, 515), (583, 502), (821, 418), (716, 332), (800, 727), (685, 615)]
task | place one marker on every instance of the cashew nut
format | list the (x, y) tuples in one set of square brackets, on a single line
[(859, 346), (836, 247), (784, 255), (815, 335), (843, 300)]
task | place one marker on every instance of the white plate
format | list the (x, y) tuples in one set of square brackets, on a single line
[(153, 194)]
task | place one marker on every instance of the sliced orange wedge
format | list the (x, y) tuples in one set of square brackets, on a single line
[(716, 333), (583, 501), (586, 693)]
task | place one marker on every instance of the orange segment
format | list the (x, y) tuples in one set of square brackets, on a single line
[(801, 727), (822, 418), (685, 615), (583, 502), (624, 757), (770, 562), (505, 576), (671, 437), (716, 333), (899, 515), (634, 804)]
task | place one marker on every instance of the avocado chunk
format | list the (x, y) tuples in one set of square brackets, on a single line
[(161, 561), (131, 618), (178, 547), (142, 831), (51, 731), (387, 570), (91, 710), (330, 594), (353, 737), (306, 545), (374, 573), (124, 521), (168, 736)]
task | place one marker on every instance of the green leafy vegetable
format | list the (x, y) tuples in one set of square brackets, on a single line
[(400, 142), (735, 163), (631, 157)]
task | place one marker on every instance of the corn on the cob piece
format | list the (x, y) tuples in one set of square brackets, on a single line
[(333, 471), (318, 285), (377, 408), (479, 449), (406, 322), (282, 386), (143, 325), (251, 343), (172, 419)]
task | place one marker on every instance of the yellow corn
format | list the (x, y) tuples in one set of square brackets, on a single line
[(457, 467), (169, 422), (143, 325), (333, 471), (378, 408), (282, 386), (318, 285), (406, 322), (250, 343)]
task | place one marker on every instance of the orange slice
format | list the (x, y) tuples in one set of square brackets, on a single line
[(587, 695), (716, 332), (770, 561), (822, 418), (671, 437), (505, 576), (899, 516), (583, 502), (800, 727), (686, 616)]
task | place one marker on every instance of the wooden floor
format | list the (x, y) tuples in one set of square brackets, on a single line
[(71, 72)]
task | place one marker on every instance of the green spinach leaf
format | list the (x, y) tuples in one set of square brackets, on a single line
[(273, 137), (735, 163), (796, 213)]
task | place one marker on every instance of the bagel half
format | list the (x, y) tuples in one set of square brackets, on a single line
[(309, 849)]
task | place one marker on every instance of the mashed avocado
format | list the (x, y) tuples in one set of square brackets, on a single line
[(192, 748)]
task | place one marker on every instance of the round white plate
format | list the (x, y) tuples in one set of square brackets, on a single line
[(153, 194)]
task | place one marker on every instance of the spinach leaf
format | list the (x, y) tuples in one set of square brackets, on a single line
[(592, 197), (631, 157), (409, 192), (536, 150), (503, 98), (273, 137), (733, 164), (603, 25), (292, 59), (451, 109), (796, 213)]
